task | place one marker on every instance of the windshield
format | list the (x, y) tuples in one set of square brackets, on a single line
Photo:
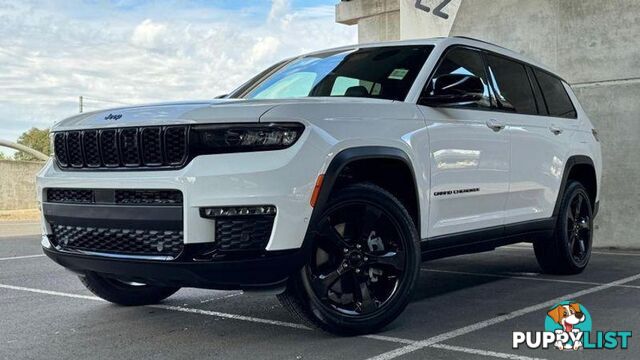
[(379, 72)]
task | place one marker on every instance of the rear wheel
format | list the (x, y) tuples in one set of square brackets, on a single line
[(569, 250), (363, 264), (125, 293)]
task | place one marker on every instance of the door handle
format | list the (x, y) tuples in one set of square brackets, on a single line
[(495, 125), (555, 130)]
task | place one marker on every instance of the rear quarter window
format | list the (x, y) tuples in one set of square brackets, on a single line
[(556, 98)]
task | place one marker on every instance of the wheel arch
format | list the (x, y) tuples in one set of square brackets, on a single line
[(351, 156), (580, 167)]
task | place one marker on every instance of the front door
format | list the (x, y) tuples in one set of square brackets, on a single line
[(469, 156)]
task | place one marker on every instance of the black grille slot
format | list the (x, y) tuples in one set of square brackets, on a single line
[(130, 147), (60, 148), (119, 241), (70, 196), (145, 147), (148, 197), (152, 147), (91, 152), (109, 148), (175, 144), (74, 147), (243, 233)]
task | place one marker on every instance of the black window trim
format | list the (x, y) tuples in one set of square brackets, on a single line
[(494, 107)]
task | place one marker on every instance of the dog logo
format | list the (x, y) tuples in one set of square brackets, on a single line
[(568, 317), (568, 327), (113, 117)]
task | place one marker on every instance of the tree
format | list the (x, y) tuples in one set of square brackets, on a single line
[(3, 156), (37, 139)]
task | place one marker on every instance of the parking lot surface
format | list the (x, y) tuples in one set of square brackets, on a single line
[(465, 307)]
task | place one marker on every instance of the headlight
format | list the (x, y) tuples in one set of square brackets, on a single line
[(226, 138)]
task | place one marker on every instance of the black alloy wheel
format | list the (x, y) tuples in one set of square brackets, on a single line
[(358, 260), (362, 265), (568, 251)]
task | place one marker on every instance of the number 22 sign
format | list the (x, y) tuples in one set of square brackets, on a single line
[(437, 11)]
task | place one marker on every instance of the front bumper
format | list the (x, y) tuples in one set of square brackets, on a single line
[(267, 272), (283, 179)]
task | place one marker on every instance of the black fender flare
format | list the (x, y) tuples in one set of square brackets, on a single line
[(571, 162), (338, 163)]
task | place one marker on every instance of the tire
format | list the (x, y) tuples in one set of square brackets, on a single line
[(569, 249), (126, 294), (378, 274)]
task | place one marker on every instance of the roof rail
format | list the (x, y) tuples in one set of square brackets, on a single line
[(478, 40)]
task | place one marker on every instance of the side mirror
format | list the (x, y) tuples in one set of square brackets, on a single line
[(453, 89)]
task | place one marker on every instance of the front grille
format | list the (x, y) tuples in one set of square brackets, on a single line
[(243, 233), (112, 196), (118, 241), (133, 147)]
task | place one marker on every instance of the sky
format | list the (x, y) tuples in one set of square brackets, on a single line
[(129, 51)]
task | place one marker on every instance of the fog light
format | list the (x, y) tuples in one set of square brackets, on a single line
[(45, 242), (237, 211)]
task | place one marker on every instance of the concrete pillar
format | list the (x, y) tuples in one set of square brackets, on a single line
[(427, 18), (384, 20), (593, 44), (377, 20)]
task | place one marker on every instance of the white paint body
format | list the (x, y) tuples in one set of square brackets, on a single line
[(518, 171)]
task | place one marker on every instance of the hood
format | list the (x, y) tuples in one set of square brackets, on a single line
[(193, 112)]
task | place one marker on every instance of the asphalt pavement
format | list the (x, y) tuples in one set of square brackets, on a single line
[(465, 307)]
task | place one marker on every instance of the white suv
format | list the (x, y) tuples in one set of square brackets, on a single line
[(328, 177)]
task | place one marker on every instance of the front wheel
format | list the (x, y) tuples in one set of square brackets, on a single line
[(363, 265), (125, 293)]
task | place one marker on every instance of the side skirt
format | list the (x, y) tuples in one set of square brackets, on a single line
[(486, 239)]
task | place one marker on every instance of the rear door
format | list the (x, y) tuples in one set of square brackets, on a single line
[(536, 153), (469, 156), (563, 124)]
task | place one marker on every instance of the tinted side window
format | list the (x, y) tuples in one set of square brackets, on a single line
[(556, 97), (465, 62), (512, 86)]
